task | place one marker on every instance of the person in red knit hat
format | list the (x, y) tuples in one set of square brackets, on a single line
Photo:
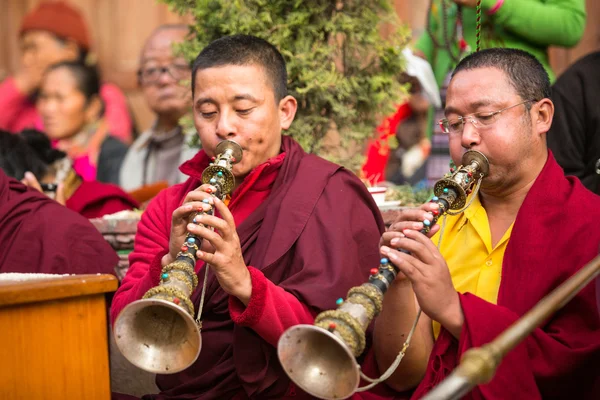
[(53, 32)]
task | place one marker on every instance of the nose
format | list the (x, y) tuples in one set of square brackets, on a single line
[(226, 126), (165, 78), (47, 107), (470, 137)]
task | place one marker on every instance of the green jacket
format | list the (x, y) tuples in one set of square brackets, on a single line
[(530, 25)]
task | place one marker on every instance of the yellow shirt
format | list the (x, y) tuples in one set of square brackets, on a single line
[(475, 266)]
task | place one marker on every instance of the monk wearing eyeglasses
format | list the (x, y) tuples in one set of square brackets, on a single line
[(527, 230)]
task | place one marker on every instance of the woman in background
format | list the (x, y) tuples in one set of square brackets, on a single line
[(30, 158), (53, 32), (72, 111)]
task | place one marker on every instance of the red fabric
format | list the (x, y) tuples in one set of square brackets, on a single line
[(116, 112), (193, 168), (59, 18), (554, 235), (314, 236), (378, 150), (18, 112), (93, 199), (271, 309), (39, 235)]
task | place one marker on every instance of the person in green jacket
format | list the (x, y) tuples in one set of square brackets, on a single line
[(530, 25), (450, 35)]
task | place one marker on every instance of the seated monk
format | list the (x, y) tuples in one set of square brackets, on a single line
[(296, 234), (526, 232), (38, 235), (30, 158)]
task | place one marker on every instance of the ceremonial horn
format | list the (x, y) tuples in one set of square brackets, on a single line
[(320, 358), (158, 333)]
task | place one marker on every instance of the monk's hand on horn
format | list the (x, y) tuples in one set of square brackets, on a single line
[(409, 218), (196, 201), (428, 272), (225, 257)]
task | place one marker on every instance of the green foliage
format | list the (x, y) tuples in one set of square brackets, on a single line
[(342, 71)]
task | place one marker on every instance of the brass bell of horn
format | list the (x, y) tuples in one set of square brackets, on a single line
[(158, 336)]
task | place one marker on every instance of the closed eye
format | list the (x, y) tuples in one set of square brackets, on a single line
[(486, 117), (454, 125), (245, 112)]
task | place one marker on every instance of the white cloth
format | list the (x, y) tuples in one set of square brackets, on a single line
[(421, 69), (132, 169), (13, 277)]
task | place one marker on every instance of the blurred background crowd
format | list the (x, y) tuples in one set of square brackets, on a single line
[(93, 95)]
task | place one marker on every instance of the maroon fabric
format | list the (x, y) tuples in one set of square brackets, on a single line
[(152, 238), (598, 293), (39, 235), (93, 199), (316, 235), (555, 233)]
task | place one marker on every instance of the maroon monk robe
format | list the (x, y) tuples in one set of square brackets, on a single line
[(316, 235), (39, 235), (93, 199), (555, 233)]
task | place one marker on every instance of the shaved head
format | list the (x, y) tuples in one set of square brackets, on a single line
[(163, 38)]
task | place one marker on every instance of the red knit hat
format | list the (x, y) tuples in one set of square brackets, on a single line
[(60, 19)]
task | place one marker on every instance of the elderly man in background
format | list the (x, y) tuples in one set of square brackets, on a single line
[(157, 153)]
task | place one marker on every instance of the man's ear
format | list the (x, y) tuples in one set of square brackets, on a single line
[(287, 111), (543, 113)]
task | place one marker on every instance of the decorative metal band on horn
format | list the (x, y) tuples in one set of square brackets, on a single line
[(178, 279), (320, 358), (158, 333)]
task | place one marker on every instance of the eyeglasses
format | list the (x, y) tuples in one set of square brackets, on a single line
[(175, 71), (480, 119)]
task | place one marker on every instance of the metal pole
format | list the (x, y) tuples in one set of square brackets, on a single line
[(479, 364)]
